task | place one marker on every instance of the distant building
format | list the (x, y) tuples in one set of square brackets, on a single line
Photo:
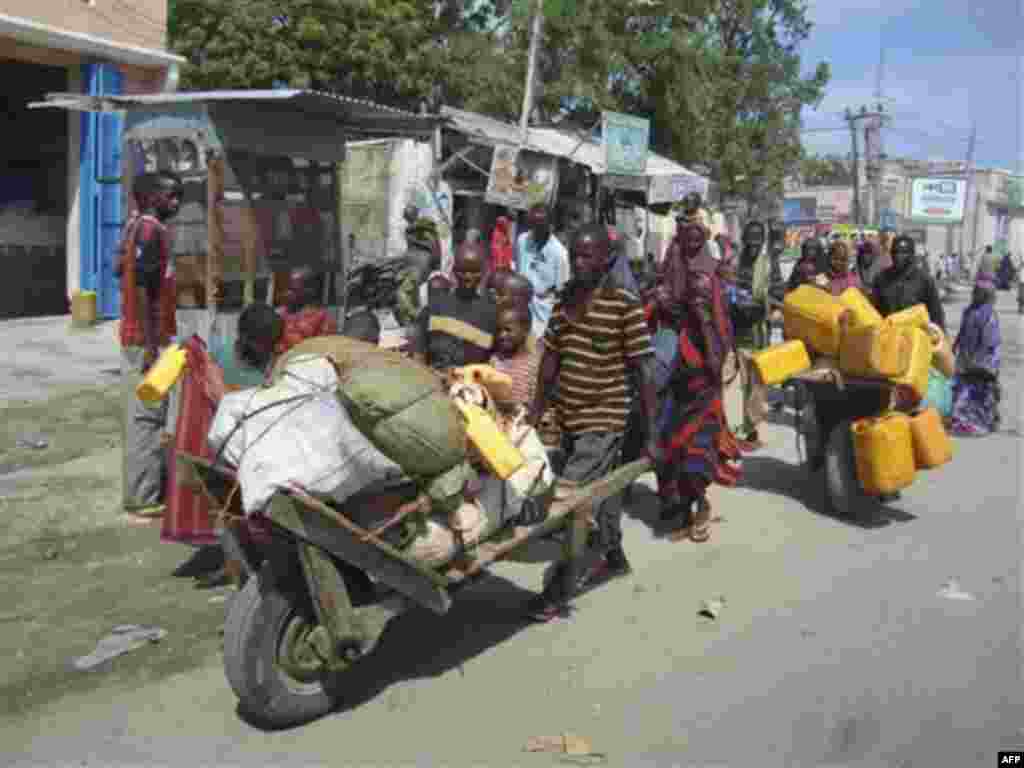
[(58, 170), (993, 207)]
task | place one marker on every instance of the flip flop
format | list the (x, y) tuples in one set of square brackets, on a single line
[(149, 512), (700, 531)]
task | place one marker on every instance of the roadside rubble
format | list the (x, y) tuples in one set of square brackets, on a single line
[(121, 640)]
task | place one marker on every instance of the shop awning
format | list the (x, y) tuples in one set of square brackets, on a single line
[(664, 180), (353, 117)]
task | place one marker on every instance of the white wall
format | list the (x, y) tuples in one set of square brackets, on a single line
[(72, 246)]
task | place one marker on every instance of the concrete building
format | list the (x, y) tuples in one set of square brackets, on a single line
[(993, 208), (60, 191)]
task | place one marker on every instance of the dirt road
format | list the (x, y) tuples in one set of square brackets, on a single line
[(837, 644)]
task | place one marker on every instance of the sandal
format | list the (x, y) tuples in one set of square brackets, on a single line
[(700, 531)]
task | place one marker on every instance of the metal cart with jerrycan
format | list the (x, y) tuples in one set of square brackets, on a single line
[(827, 404)]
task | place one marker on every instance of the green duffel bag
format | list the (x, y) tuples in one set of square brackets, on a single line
[(404, 411), (447, 491)]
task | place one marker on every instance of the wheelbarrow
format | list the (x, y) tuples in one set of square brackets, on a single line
[(319, 591)]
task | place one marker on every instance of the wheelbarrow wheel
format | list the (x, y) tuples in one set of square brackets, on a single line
[(843, 492), (808, 432), (269, 657)]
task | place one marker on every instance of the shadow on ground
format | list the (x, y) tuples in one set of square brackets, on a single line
[(771, 475), (420, 644)]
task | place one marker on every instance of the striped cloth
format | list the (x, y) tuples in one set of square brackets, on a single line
[(522, 368), (187, 519), (594, 391), (141, 231)]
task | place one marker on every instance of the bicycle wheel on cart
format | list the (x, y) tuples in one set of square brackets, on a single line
[(843, 492)]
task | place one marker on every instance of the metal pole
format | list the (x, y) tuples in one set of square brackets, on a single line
[(531, 69), (852, 120)]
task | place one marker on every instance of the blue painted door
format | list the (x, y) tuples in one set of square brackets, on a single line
[(100, 191)]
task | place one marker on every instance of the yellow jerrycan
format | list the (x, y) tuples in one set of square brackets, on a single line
[(163, 375)]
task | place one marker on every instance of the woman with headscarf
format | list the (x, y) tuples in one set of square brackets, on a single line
[(840, 277), (810, 268), (978, 348), (699, 447)]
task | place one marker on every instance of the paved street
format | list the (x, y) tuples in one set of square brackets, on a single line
[(833, 647)]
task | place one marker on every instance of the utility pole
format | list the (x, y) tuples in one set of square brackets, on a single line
[(531, 70), (970, 182), (851, 119)]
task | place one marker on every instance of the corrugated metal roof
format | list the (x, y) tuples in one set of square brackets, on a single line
[(551, 141), (343, 108)]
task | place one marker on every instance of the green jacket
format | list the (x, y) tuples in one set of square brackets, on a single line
[(407, 296)]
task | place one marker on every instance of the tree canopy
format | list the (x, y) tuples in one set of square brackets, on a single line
[(825, 171), (722, 81)]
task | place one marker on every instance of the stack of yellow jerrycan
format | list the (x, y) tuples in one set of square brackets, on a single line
[(815, 317), (862, 312), (889, 449)]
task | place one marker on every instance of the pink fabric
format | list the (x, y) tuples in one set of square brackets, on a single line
[(839, 284), (501, 245), (522, 369), (187, 519)]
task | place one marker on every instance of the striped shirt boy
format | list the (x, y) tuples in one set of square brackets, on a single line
[(594, 390)]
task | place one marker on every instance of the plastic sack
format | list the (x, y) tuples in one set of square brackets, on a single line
[(296, 432), (535, 480), (940, 394)]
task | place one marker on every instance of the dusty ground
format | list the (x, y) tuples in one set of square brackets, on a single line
[(833, 649)]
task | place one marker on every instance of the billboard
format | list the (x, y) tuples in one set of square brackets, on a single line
[(521, 178), (673, 188), (799, 210), (937, 200), (626, 139)]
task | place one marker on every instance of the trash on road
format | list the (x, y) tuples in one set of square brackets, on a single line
[(711, 608), (218, 599), (951, 591), (33, 441), (566, 744), (121, 640)]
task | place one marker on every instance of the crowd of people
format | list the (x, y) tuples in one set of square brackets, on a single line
[(610, 364)]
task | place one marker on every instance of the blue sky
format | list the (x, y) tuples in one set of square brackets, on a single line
[(947, 62)]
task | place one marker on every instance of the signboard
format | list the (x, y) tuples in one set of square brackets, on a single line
[(834, 205), (937, 200), (799, 210), (520, 178), (626, 183), (673, 188), (626, 139)]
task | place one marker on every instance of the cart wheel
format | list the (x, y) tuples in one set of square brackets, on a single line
[(269, 659), (808, 433), (843, 492)]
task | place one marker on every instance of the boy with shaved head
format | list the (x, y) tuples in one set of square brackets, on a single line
[(458, 327)]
